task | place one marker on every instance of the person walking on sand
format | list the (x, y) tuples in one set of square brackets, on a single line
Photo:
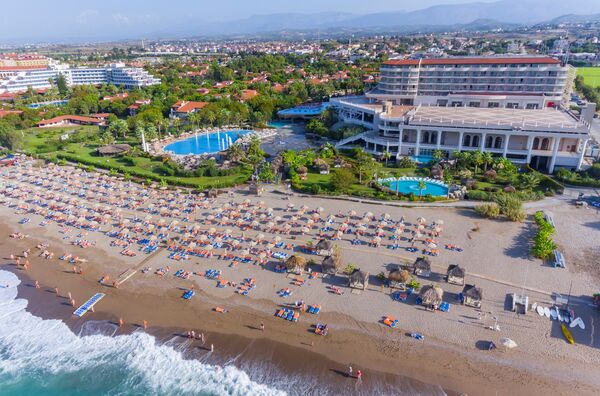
[(202, 338), (212, 348), (358, 375), (349, 373), (262, 326)]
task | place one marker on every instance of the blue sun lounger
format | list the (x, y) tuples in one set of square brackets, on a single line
[(188, 294), (444, 307), (79, 312)]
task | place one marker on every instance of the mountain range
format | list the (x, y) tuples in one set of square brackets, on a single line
[(467, 16)]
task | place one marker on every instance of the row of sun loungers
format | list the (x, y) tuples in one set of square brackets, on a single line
[(288, 314)]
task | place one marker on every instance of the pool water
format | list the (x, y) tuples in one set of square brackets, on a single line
[(306, 110), (422, 159), (206, 143), (412, 186)]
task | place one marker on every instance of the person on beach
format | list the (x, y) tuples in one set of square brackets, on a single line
[(121, 322), (262, 326), (193, 334), (37, 284), (358, 375), (212, 348), (349, 373), (145, 323), (202, 338)]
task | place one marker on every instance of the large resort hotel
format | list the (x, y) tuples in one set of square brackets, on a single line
[(512, 107), (19, 76)]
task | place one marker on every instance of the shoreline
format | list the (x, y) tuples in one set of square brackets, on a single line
[(450, 356), (166, 318)]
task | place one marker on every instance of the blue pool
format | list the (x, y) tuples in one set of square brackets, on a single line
[(408, 185), (304, 110), (207, 143), (422, 159)]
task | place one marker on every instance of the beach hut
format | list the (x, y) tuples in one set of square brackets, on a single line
[(472, 296), (256, 189), (455, 275), (397, 278), (422, 267), (295, 264), (431, 296), (331, 264), (359, 279), (324, 247)]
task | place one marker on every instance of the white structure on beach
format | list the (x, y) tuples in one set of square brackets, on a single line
[(524, 123)]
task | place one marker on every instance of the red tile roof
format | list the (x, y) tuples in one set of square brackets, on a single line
[(248, 94), (476, 61), (75, 118), (4, 113), (187, 107)]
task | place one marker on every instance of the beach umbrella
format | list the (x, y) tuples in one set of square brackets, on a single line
[(260, 237), (262, 255), (305, 230), (432, 245), (277, 238), (508, 343), (244, 252), (421, 220), (270, 225), (212, 230), (439, 222), (228, 231)]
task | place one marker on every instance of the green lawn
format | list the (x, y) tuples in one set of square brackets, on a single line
[(591, 75), (45, 142)]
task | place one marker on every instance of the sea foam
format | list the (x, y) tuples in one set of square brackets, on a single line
[(46, 354)]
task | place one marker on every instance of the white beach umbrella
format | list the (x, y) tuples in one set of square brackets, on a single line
[(508, 343)]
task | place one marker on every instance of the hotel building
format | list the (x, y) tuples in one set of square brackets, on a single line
[(522, 121), (521, 82), (20, 78)]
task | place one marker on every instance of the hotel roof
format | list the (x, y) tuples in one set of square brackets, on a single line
[(497, 118), (515, 60)]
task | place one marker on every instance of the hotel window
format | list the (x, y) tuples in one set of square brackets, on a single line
[(512, 105), (493, 105), (531, 106), (474, 104)]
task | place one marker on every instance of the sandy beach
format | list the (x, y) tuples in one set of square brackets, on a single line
[(453, 356)]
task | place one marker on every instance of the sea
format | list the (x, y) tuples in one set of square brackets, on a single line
[(44, 357)]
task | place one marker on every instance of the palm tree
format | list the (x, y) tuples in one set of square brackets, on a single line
[(235, 152), (386, 155), (487, 160), (438, 155), (422, 186), (529, 181), (477, 159)]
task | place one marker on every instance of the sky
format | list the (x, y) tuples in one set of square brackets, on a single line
[(79, 20)]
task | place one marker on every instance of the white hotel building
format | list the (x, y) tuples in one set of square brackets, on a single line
[(510, 107), (20, 79)]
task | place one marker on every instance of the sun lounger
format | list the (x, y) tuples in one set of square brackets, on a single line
[(390, 321), (188, 294), (444, 306), (220, 310)]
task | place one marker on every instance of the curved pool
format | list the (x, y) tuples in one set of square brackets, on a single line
[(407, 185), (207, 143)]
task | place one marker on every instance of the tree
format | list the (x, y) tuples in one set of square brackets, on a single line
[(386, 155), (61, 84), (529, 181), (107, 138), (235, 152), (365, 165), (265, 173), (487, 160), (118, 127), (422, 186), (477, 159), (9, 137), (438, 155), (342, 179)]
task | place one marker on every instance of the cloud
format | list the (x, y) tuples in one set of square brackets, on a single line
[(85, 16), (120, 18)]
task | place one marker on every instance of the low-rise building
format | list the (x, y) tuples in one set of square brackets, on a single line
[(182, 108)]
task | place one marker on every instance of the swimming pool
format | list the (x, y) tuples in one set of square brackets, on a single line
[(206, 143), (422, 159), (304, 110), (407, 185)]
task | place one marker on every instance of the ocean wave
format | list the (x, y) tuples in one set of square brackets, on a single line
[(46, 356)]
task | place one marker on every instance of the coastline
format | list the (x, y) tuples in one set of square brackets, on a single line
[(289, 345), (451, 357)]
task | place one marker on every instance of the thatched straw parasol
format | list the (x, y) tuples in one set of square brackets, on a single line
[(295, 263), (331, 264), (399, 276), (431, 295)]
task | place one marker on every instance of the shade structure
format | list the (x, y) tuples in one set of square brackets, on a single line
[(508, 343)]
